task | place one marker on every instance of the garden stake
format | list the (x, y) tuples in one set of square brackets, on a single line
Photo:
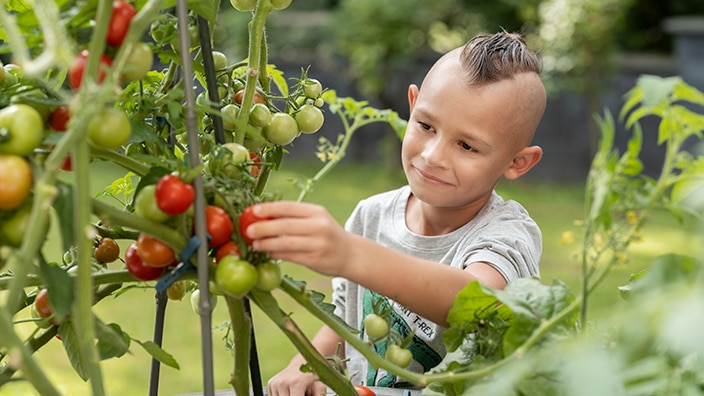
[(212, 88), (211, 79), (161, 300), (199, 203)]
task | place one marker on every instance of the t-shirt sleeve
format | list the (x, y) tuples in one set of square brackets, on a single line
[(513, 247)]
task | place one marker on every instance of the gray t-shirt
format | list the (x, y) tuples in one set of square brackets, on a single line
[(502, 235)]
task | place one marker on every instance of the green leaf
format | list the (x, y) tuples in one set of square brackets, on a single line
[(469, 300), (656, 90), (112, 341), (533, 303), (59, 285), (208, 9), (63, 205), (158, 353), (70, 343)]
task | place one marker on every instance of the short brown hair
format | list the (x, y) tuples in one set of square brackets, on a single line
[(489, 58)]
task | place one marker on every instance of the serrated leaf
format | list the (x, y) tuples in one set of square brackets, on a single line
[(532, 303), (112, 341), (469, 300), (70, 343), (158, 353)]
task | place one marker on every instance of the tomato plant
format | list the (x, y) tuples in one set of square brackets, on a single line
[(243, 5), (375, 326), (122, 14), (154, 252), (235, 276), (109, 129), (107, 251), (246, 219), (173, 196), (75, 73), (136, 266), (218, 225), (21, 129), (15, 181)]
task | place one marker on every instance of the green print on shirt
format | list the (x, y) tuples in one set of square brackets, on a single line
[(422, 353)]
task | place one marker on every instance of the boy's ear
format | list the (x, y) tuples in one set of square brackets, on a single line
[(523, 161), (412, 96)]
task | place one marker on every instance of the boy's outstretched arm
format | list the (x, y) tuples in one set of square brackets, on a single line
[(307, 234)]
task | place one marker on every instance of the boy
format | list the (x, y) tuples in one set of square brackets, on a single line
[(471, 122)]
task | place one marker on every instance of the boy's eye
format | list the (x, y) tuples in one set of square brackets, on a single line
[(466, 147), (424, 125)]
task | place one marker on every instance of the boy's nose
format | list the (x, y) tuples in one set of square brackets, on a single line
[(433, 153)]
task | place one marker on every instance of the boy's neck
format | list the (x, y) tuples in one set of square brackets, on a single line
[(424, 219)]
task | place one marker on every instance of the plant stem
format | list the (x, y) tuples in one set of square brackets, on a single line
[(322, 368), (241, 328), (256, 35), (124, 161)]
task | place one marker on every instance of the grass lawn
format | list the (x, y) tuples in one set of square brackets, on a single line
[(554, 207)]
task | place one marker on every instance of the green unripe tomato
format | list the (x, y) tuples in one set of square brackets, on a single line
[(375, 326), (260, 115), (139, 62), (312, 88), (243, 5), (24, 127), (235, 276), (269, 275), (220, 60), (145, 205), (14, 227), (282, 129), (176, 291), (309, 118), (280, 4), (399, 356), (109, 129), (195, 301), (229, 113), (226, 160)]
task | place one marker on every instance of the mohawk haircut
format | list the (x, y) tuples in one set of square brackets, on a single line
[(489, 58)]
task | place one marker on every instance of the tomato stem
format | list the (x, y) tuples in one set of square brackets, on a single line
[(241, 328)]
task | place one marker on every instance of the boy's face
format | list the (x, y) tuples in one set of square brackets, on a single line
[(461, 139)]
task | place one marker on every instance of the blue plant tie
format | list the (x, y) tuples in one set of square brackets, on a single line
[(183, 267)]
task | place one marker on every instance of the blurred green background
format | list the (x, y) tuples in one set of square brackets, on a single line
[(556, 207)]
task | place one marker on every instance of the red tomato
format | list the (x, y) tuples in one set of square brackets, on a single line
[(75, 73), (138, 269), (154, 252), (41, 304), (173, 196), (246, 218), (219, 225), (228, 249), (122, 14), (58, 120), (254, 170), (364, 391)]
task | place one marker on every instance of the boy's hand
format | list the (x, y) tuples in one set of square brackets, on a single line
[(292, 382), (301, 233)]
